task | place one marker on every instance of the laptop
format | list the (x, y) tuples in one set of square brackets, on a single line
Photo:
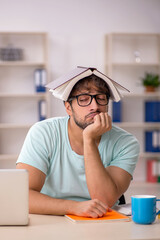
[(14, 191)]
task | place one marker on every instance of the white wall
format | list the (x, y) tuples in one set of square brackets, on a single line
[(76, 28)]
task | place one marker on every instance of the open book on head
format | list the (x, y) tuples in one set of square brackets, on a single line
[(62, 86), (109, 216)]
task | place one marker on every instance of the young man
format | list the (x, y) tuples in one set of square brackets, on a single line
[(80, 164)]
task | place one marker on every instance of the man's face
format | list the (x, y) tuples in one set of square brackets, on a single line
[(84, 116)]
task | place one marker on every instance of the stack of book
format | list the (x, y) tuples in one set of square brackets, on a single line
[(152, 138), (11, 53)]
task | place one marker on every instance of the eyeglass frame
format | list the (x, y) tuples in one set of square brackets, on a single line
[(92, 96)]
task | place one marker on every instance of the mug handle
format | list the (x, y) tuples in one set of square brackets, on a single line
[(159, 210)]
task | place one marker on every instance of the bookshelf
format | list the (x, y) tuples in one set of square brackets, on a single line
[(128, 56), (19, 99)]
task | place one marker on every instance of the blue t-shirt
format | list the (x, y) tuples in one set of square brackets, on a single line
[(48, 149)]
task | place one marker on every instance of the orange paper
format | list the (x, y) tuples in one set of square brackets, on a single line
[(113, 215)]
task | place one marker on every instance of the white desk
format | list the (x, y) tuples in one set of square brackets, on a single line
[(57, 228), (54, 227)]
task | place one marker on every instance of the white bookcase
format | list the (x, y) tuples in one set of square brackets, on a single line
[(18, 97), (128, 56)]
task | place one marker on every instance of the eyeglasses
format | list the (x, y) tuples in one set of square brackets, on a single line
[(84, 100)]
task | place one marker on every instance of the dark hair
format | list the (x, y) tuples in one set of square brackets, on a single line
[(83, 83)]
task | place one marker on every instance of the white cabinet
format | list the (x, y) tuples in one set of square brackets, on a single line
[(128, 57), (19, 100)]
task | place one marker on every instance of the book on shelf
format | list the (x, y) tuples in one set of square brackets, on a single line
[(42, 110), (62, 86), (40, 80), (109, 216), (152, 111), (152, 170), (158, 177), (116, 111), (152, 141)]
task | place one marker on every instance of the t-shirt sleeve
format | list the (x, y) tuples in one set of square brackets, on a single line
[(125, 154), (36, 148)]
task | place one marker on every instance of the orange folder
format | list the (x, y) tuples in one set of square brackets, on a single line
[(109, 216)]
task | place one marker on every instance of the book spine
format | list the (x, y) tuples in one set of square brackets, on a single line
[(152, 111), (42, 110), (159, 141), (152, 141), (117, 111), (40, 80), (158, 105), (43, 80), (37, 78), (152, 170), (158, 178)]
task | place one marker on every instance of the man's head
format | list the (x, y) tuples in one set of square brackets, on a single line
[(89, 97), (90, 82)]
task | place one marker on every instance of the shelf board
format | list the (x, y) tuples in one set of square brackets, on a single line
[(24, 95), (23, 33), (14, 126), (142, 95), (7, 157), (21, 63), (134, 34), (134, 64), (143, 125), (150, 155)]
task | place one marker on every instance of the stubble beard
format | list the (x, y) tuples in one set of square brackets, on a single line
[(82, 123)]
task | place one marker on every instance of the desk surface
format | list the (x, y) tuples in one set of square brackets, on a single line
[(44, 227)]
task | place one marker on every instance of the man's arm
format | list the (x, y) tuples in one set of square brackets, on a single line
[(105, 184), (43, 204)]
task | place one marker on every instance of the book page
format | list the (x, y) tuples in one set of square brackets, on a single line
[(124, 209)]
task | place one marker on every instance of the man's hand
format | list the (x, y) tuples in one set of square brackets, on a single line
[(92, 208), (102, 123)]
